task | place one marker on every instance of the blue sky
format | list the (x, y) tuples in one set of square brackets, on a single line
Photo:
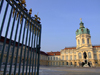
[(60, 20)]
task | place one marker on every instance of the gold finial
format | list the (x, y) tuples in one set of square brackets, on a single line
[(30, 11), (13, 12), (37, 19), (23, 2), (81, 19)]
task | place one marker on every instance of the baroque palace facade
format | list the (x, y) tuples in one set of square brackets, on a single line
[(74, 56), (71, 56)]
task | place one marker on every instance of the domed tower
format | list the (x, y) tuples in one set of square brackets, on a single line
[(83, 38)]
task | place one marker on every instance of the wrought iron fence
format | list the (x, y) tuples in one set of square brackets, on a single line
[(20, 39)]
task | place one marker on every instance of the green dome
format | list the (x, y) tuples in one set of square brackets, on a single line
[(82, 30)]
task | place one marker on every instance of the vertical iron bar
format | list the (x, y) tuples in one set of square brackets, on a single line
[(18, 47), (1, 5), (31, 50), (2, 53), (9, 43), (25, 50), (14, 45), (36, 53), (21, 49), (39, 52), (28, 49), (4, 19)]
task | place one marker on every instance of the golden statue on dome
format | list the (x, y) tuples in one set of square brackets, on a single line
[(81, 19)]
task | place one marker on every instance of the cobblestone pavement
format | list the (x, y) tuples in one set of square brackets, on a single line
[(68, 71)]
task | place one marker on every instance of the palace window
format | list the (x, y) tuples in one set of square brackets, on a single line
[(0, 47), (66, 57), (62, 63), (71, 57), (75, 57), (59, 63), (78, 41), (89, 54), (62, 57), (75, 63), (70, 52), (66, 63), (66, 52), (51, 63), (53, 58), (96, 62), (56, 63), (74, 52), (48, 63), (95, 51), (83, 41), (79, 55), (88, 41), (71, 63), (48, 58), (95, 56)]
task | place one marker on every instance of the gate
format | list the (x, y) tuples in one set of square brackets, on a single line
[(20, 37)]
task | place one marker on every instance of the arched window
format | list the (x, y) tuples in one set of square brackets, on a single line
[(71, 63), (79, 55), (89, 54), (83, 41), (78, 41), (88, 41), (66, 63)]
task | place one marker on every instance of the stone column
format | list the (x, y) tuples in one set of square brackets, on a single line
[(77, 63)]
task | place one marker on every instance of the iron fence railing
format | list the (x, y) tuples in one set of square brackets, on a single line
[(25, 38)]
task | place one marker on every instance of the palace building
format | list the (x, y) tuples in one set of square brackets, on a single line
[(69, 56), (74, 56)]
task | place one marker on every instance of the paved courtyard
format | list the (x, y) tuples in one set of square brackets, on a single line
[(68, 71)]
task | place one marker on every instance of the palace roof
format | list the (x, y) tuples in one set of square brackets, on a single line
[(53, 53)]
